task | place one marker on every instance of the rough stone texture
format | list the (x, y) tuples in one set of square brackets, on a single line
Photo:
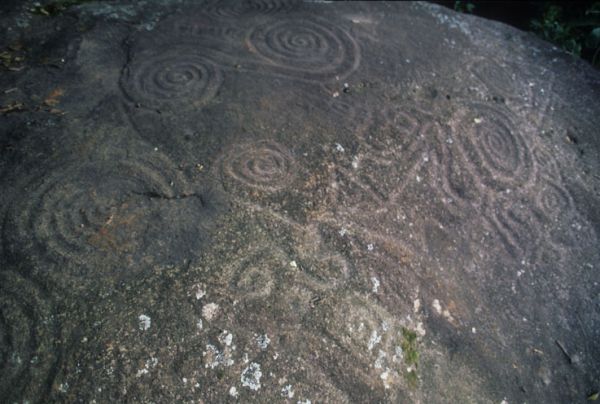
[(282, 201)]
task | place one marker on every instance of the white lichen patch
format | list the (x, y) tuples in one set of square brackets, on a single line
[(437, 306), (420, 329), (225, 338), (251, 376), (263, 341), (376, 284), (144, 322), (377, 338), (446, 18), (398, 355), (380, 359), (150, 364), (15, 359), (199, 291), (374, 339), (389, 378), (287, 391), (416, 305), (210, 311), (213, 357)]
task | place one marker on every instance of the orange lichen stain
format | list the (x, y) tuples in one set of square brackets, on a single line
[(397, 251), (264, 104), (103, 239), (53, 98), (113, 233)]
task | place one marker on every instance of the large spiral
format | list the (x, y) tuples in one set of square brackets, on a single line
[(83, 218), (305, 48), (238, 8), (495, 147)]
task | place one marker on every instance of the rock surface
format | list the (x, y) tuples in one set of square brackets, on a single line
[(270, 200)]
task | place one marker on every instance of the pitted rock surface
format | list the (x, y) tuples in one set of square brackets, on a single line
[(287, 201)]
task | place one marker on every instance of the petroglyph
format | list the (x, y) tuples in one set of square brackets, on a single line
[(303, 201), (30, 339), (256, 273), (264, 165), (305, 48), (494, 146), (236, 9), (178, 77), (81, 215)]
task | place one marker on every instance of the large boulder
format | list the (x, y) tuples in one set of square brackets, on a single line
[(294, 201)]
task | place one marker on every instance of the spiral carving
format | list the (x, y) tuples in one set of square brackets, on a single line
[(29, 340), (179, 77), (234, 9), (82, 216), (264, 165), (305, 48), (494, 146)]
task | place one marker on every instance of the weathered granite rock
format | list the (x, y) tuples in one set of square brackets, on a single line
[(272, 200)]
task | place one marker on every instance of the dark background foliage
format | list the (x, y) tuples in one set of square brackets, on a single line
[(571, 25)]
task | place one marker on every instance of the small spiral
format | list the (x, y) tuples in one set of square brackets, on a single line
[(264, 165), (254, 275), (554, 200)]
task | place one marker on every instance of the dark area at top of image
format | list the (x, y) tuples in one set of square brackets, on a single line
[(571, 25)]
